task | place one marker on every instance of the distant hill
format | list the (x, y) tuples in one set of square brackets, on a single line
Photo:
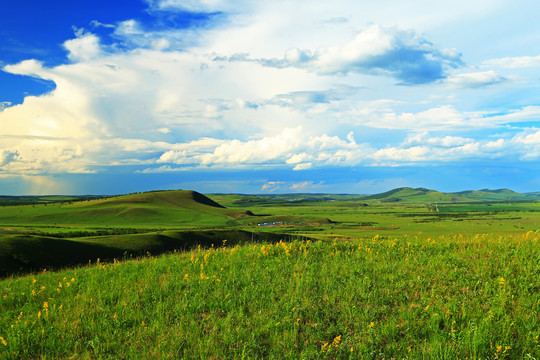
[(421, 195), (495, 195), (407, 194), (402, 194), (40, 199)]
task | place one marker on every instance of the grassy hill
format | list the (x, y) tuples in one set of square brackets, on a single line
[(164, 208), (495, 195)]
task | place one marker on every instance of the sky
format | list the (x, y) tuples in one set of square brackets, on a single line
[(282, 96)]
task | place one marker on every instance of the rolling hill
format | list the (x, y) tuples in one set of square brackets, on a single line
[(158, 208)]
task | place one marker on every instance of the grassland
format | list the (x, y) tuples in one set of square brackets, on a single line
[(414, 297), (353, 278)]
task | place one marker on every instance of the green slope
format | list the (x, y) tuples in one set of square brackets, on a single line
[(164, 208)]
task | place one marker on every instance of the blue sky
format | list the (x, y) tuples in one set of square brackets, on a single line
[(110, 97)]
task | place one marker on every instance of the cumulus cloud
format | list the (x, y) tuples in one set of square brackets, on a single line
[(306, 151), (402, 54), (84, 47), (293, 146)]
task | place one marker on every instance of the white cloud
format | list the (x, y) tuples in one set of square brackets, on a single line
[(446, 141), (272, 186), (162, 169), (303, 166), (28, 67), (160, 44), (164, 130), (475, 80), (265, 150), (514, 62), (528, 139), (84, 47), (394, 154), (302, 185), (442, 117), (298, 158), (98, 24)]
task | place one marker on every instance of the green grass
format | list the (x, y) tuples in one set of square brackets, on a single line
[(412, 297)]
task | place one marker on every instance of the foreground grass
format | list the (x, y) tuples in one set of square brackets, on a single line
[(475, 297)]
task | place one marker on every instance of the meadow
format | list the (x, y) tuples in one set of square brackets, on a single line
[(345, 278)]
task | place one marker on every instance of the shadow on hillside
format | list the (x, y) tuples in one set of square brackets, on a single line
[(22, 253)]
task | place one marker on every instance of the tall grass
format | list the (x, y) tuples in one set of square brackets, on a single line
[(450, 297)]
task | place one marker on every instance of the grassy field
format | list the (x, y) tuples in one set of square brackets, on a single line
[(448, 297), (353, 278)]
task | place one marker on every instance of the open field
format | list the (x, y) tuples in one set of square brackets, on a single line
[(354, 277)]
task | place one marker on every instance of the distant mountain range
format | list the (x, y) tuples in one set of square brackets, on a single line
[(407, 194), (403, 194)]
